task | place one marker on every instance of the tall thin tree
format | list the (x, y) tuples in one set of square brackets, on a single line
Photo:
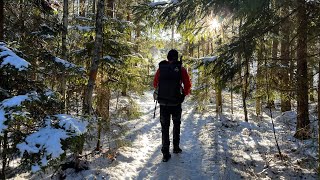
[(96, 58), (1, 20), (285, 59), (64, 49), (319, 117), (303, 122)]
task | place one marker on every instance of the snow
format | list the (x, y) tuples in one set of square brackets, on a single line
[(208, 59), (70, 123), (12, 102), (82, 28), (83, 18), (10, 58), (109, 58), (214, 146), (160, 3), (64, 63), (2, 120), (48, 139)]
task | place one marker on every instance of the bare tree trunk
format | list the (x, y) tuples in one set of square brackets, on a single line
[(103, 108), (64, 51), (198, 50), (1, 20), (310, 79), (172, 37), (96, 58), (218, 100), (319, 117), (245, 89), (93, 6), (303, 122), (191, 46), (4, 157), (246, 76), (274, 60), (285, 59), (208, 47), (110, 8), (203, 44), (259, 80), (231, 93), (87, 102), (83, 8)]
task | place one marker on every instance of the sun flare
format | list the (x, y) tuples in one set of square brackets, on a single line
[(214, 24)]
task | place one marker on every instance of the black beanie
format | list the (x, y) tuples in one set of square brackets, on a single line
[(173, 55)]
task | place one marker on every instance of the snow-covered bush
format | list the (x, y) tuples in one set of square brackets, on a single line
[(49, 142), (33, 132)]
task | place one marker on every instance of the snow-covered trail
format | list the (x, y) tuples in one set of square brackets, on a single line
[(214, 147), (143, 160)]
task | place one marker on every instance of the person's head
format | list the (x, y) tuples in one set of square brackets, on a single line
[(172, 55)]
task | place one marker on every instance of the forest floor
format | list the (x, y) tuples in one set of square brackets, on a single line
[(214, 147)]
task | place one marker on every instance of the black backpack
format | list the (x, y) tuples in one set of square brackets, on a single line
[(169, 87)]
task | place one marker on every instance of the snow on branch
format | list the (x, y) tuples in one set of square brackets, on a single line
[(208, 59), (72, 124), (83, 18), (109, 58), (67, 64), (13, 102), (8, 57), (82, 28), (162, 3), (47, 140)]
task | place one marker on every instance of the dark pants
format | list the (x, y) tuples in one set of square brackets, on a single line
[(165, 115)]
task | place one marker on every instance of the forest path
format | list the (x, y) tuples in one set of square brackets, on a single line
[(143, 160), (214, 147), (206, 153)]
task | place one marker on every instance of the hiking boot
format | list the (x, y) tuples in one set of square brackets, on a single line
[(166, 157), (177, 150)]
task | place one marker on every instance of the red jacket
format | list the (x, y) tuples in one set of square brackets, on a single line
[(185, 80)]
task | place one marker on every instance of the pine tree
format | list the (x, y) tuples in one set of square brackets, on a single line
[(285, 60), (303, 122)]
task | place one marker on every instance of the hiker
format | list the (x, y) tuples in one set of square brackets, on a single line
[(168, 82)]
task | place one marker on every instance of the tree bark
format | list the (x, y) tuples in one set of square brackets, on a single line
[(93, 6), (83, 8), (103, 108), (231, 94), (218, 100), (4, 155), (285, 59), (245, 89), (64, 51), (96, 58), (245, 84), (303, 122), (310, 79), (319, 117), (1, 20), (274, 55), (191, 47), (110, 8), (259, 80)]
